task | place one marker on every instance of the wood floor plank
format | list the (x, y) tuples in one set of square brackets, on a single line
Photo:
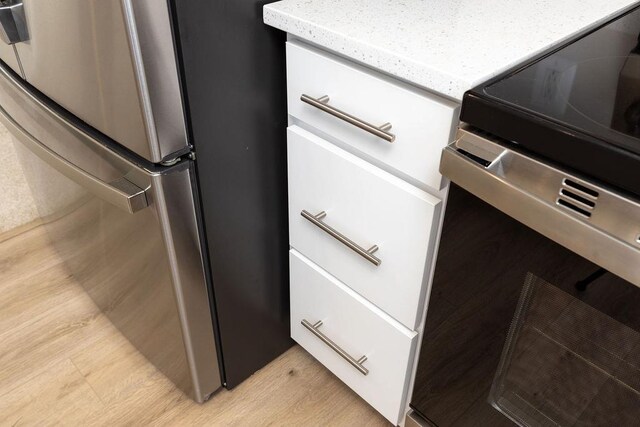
[(30, 299), (63, 362), (20, 230), (59, 395), (113, 367), (41, 332), (25, 255), (293, 390)]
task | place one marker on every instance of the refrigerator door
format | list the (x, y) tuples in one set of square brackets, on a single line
[(127, 234), (112, 64)]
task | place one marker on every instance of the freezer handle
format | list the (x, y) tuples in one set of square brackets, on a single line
[(121, 192), (13, 24)]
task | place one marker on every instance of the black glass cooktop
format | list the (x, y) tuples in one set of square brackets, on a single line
[(578, 106)]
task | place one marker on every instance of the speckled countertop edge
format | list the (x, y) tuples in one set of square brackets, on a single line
[(401, 66)]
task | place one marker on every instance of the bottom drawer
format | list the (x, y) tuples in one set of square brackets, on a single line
[(352, 329)]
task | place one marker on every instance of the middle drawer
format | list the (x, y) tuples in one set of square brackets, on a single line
[(340, 207)]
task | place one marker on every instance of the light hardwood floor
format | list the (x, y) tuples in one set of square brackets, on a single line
[(13, 183), (62, 362)]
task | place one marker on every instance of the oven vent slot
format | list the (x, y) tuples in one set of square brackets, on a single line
[(593, 194), (574, 208), (577, 198)]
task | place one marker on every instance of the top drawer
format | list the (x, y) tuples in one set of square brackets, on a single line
[(422, 124)]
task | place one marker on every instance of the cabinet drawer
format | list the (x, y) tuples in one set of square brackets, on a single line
[(358, 329), (421, 123), (369, 207)]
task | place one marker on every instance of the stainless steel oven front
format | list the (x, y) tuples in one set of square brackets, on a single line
[(534, 313)]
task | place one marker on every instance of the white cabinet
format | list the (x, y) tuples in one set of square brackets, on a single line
[(355, 327), (369, 207), (364, 211), (421, 123)]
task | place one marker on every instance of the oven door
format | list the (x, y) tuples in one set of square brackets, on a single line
[(534, 315)]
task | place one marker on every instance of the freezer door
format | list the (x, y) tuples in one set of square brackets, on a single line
[(8, 56), (112, 64), (128, 235)]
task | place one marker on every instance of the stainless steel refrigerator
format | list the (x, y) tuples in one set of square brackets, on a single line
[(96, 94)]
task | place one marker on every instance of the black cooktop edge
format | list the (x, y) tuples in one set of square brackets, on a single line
[(580, 153)]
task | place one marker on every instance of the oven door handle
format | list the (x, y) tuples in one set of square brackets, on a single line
[(590, 220)]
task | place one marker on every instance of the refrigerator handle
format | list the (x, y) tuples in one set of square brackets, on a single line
[(13, 24), (121, 192)]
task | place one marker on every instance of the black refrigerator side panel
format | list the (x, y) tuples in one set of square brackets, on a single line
[(234, 79)]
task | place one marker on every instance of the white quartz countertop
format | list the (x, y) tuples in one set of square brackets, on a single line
[(447, 46)]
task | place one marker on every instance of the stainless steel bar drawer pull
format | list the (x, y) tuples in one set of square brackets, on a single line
[(315, 329), (364, 253), (322, 103)]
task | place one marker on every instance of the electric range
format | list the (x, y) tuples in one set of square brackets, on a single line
[(578, 106), (533, 313)]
